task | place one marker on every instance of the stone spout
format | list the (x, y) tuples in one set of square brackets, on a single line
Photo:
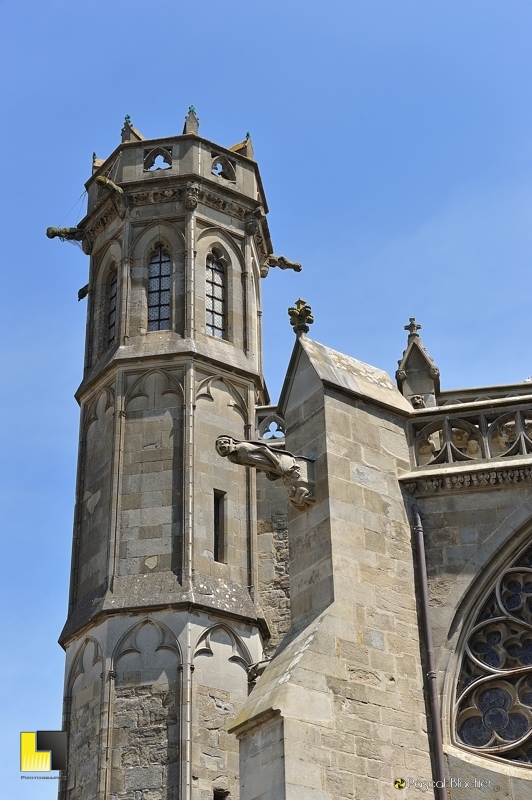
[(294, 471)]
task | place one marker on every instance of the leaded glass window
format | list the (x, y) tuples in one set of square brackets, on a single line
[(215, 297), (159, 270), (112, 309), (493, 707)]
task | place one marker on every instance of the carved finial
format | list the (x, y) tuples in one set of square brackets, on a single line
[(126, 129), (191, 121), (93, 157), (412, 328), (300, 317)]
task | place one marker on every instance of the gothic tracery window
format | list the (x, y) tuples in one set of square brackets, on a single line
[(111, 320), (159, 271), (493, 708), (215, 297)]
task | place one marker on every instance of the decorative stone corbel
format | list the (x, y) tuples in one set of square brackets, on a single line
[(192, 195), (252, 225), (72, 235), (296, 472), (253, 221), (115, 193)]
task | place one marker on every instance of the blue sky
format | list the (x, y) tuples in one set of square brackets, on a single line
[(395, 143)]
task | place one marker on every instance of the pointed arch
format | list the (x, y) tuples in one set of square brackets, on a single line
[(240, 653), (77, 667), (105, 299), (128, 641), (91, 409), (203, 389), (158, 279), (223, 167), (491, 691), (170, 235), (150, 157), (138, 387), (220, 265), (230, 245)]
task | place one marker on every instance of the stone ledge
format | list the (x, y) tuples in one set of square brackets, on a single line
[(494, 473)]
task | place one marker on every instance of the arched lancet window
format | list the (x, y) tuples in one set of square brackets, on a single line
[(111, 300), (159, 270), (493, 705), (215, 311)]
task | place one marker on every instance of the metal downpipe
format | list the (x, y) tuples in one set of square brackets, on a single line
[(432, 683)]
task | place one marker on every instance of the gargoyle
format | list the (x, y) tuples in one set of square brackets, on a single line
[(274, 463), (115, 193), (71, 235), (284, 263)]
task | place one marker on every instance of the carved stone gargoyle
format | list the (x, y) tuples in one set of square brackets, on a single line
[(72, 235), (115, 192), (284, 263), (294, 471)]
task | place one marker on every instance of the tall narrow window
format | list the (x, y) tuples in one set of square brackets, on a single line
[(218, 525), (215, 297), (111, 327), (159, 270)]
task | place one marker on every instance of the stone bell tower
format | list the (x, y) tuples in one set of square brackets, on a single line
[(164, 617)]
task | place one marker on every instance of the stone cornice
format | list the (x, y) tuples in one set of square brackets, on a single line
[(175, 358), (488, 473)]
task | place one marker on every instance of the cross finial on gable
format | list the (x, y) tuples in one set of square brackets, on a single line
[(412, 327)]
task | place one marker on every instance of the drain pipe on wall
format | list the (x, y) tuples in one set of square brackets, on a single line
[(432, 682)]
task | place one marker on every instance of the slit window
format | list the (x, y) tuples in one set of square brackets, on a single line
[(215, 297), (111, 327), (159, 272), (219, 526)]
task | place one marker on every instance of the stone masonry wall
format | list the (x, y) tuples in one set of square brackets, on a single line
[(273, 561), (348, 680), (469, 538)]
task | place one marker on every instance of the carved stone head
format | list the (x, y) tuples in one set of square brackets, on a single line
[(225, 445), (191, 195), (417, 401), (252, 225)]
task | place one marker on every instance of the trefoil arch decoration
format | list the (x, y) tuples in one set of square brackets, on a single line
[(272, 428), (128, 642), (223, 167), (493, 702), (239, 655), (164, 154), (204, 389), (138, 388), (77, 667)]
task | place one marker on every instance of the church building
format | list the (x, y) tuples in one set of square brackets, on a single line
[(326, 598)]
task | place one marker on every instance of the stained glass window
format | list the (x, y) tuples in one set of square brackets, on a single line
[(159, 270), (112, 309), (215, 297), (493, 703)]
